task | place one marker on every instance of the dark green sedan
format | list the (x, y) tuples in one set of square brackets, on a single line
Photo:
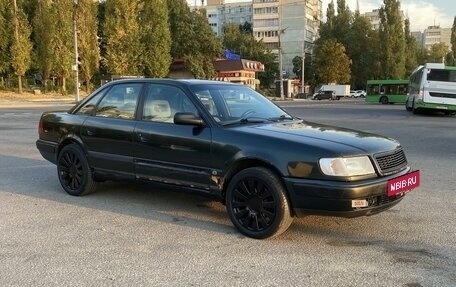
[(226, 141)]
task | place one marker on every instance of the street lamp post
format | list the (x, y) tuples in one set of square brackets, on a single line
[(282, 96)]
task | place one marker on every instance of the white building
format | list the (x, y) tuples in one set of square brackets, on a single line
[(219, 13), (374, 18), (435, 34), (294, 23)]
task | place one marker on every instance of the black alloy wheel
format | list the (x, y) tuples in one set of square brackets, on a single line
[(257, 204), (74, 172)]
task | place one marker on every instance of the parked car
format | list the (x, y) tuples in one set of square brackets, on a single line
[(228, 142), (358, 94), (324, 95), (303, 96)]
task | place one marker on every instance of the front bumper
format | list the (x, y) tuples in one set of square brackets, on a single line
[(335, 198)]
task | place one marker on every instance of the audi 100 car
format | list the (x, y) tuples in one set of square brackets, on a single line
[(228, 142)]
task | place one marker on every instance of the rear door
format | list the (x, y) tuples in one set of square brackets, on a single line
[(108, 133), (166, 152)]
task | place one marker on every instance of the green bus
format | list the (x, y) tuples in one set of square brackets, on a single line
[(387, 91)]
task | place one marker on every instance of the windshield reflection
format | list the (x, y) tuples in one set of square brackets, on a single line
[(231, 104)]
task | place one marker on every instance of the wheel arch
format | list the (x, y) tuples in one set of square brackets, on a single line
[(245, 163), (70, 140)]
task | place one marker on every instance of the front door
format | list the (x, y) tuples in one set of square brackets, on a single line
[(170, 153)]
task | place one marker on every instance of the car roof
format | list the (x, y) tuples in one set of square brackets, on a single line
[(179, 82)]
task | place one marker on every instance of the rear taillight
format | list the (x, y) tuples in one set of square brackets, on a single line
[(40, 127)]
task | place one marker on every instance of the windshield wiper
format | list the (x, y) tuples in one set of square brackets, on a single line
[(249, 120), (281, 118)]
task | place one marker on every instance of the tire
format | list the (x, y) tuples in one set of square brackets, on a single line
[(74, 171), (407, 108), (414, 109), (384, 100), (257, 203)]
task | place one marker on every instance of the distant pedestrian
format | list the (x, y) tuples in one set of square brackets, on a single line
[(38, 79)]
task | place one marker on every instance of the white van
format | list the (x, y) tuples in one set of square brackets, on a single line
[(432, 86)]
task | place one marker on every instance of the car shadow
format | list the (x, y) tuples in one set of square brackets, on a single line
[(38, 178)]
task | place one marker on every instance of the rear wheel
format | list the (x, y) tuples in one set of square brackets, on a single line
[(384, 100), (74, 172), (257, 204)]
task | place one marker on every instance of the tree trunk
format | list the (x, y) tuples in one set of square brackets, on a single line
[(19, 83), (63, 85)]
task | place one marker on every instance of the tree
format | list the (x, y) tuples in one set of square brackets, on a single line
[(309, 77), (5, 38), (44, 31), (438, 52), (155, 39), (88, 49), (206, 46), (342, 23), (63, 39), (247, 28), (237, 40), (453, 44), (411, 51), (21, 47), (332, 65), (327, 28), (360, 50), (122, 34), (392, 41), (193, 39)]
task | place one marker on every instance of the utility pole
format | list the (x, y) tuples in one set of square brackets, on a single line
[(302, 66), (282, 96), (76, 56)]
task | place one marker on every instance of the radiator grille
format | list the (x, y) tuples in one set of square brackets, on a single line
[(391, 162)]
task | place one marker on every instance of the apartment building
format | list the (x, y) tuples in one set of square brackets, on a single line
[(294, 23), (436, 34), (218, 13), (374, 18), (291, 24)]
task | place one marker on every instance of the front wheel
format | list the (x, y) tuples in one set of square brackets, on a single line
[(414, 108), (407, 108), (74, 172), (257, 204)]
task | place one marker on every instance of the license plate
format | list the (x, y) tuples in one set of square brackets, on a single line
[(441, 108), (403, 183)]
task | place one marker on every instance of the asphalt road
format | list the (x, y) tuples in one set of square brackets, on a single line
[(142, 235)]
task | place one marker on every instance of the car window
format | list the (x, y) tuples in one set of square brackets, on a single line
[(90, 105), (163, 102), (120, 101)]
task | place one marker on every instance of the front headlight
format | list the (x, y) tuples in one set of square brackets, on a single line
[(350, 166)]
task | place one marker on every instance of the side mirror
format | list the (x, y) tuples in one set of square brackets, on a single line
[(188, 119)]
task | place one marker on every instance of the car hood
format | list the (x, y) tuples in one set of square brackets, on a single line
[(316, 134)]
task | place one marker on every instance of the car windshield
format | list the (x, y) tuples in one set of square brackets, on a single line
[(232, 104)]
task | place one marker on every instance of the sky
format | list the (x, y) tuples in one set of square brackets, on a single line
[(422, 13)]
